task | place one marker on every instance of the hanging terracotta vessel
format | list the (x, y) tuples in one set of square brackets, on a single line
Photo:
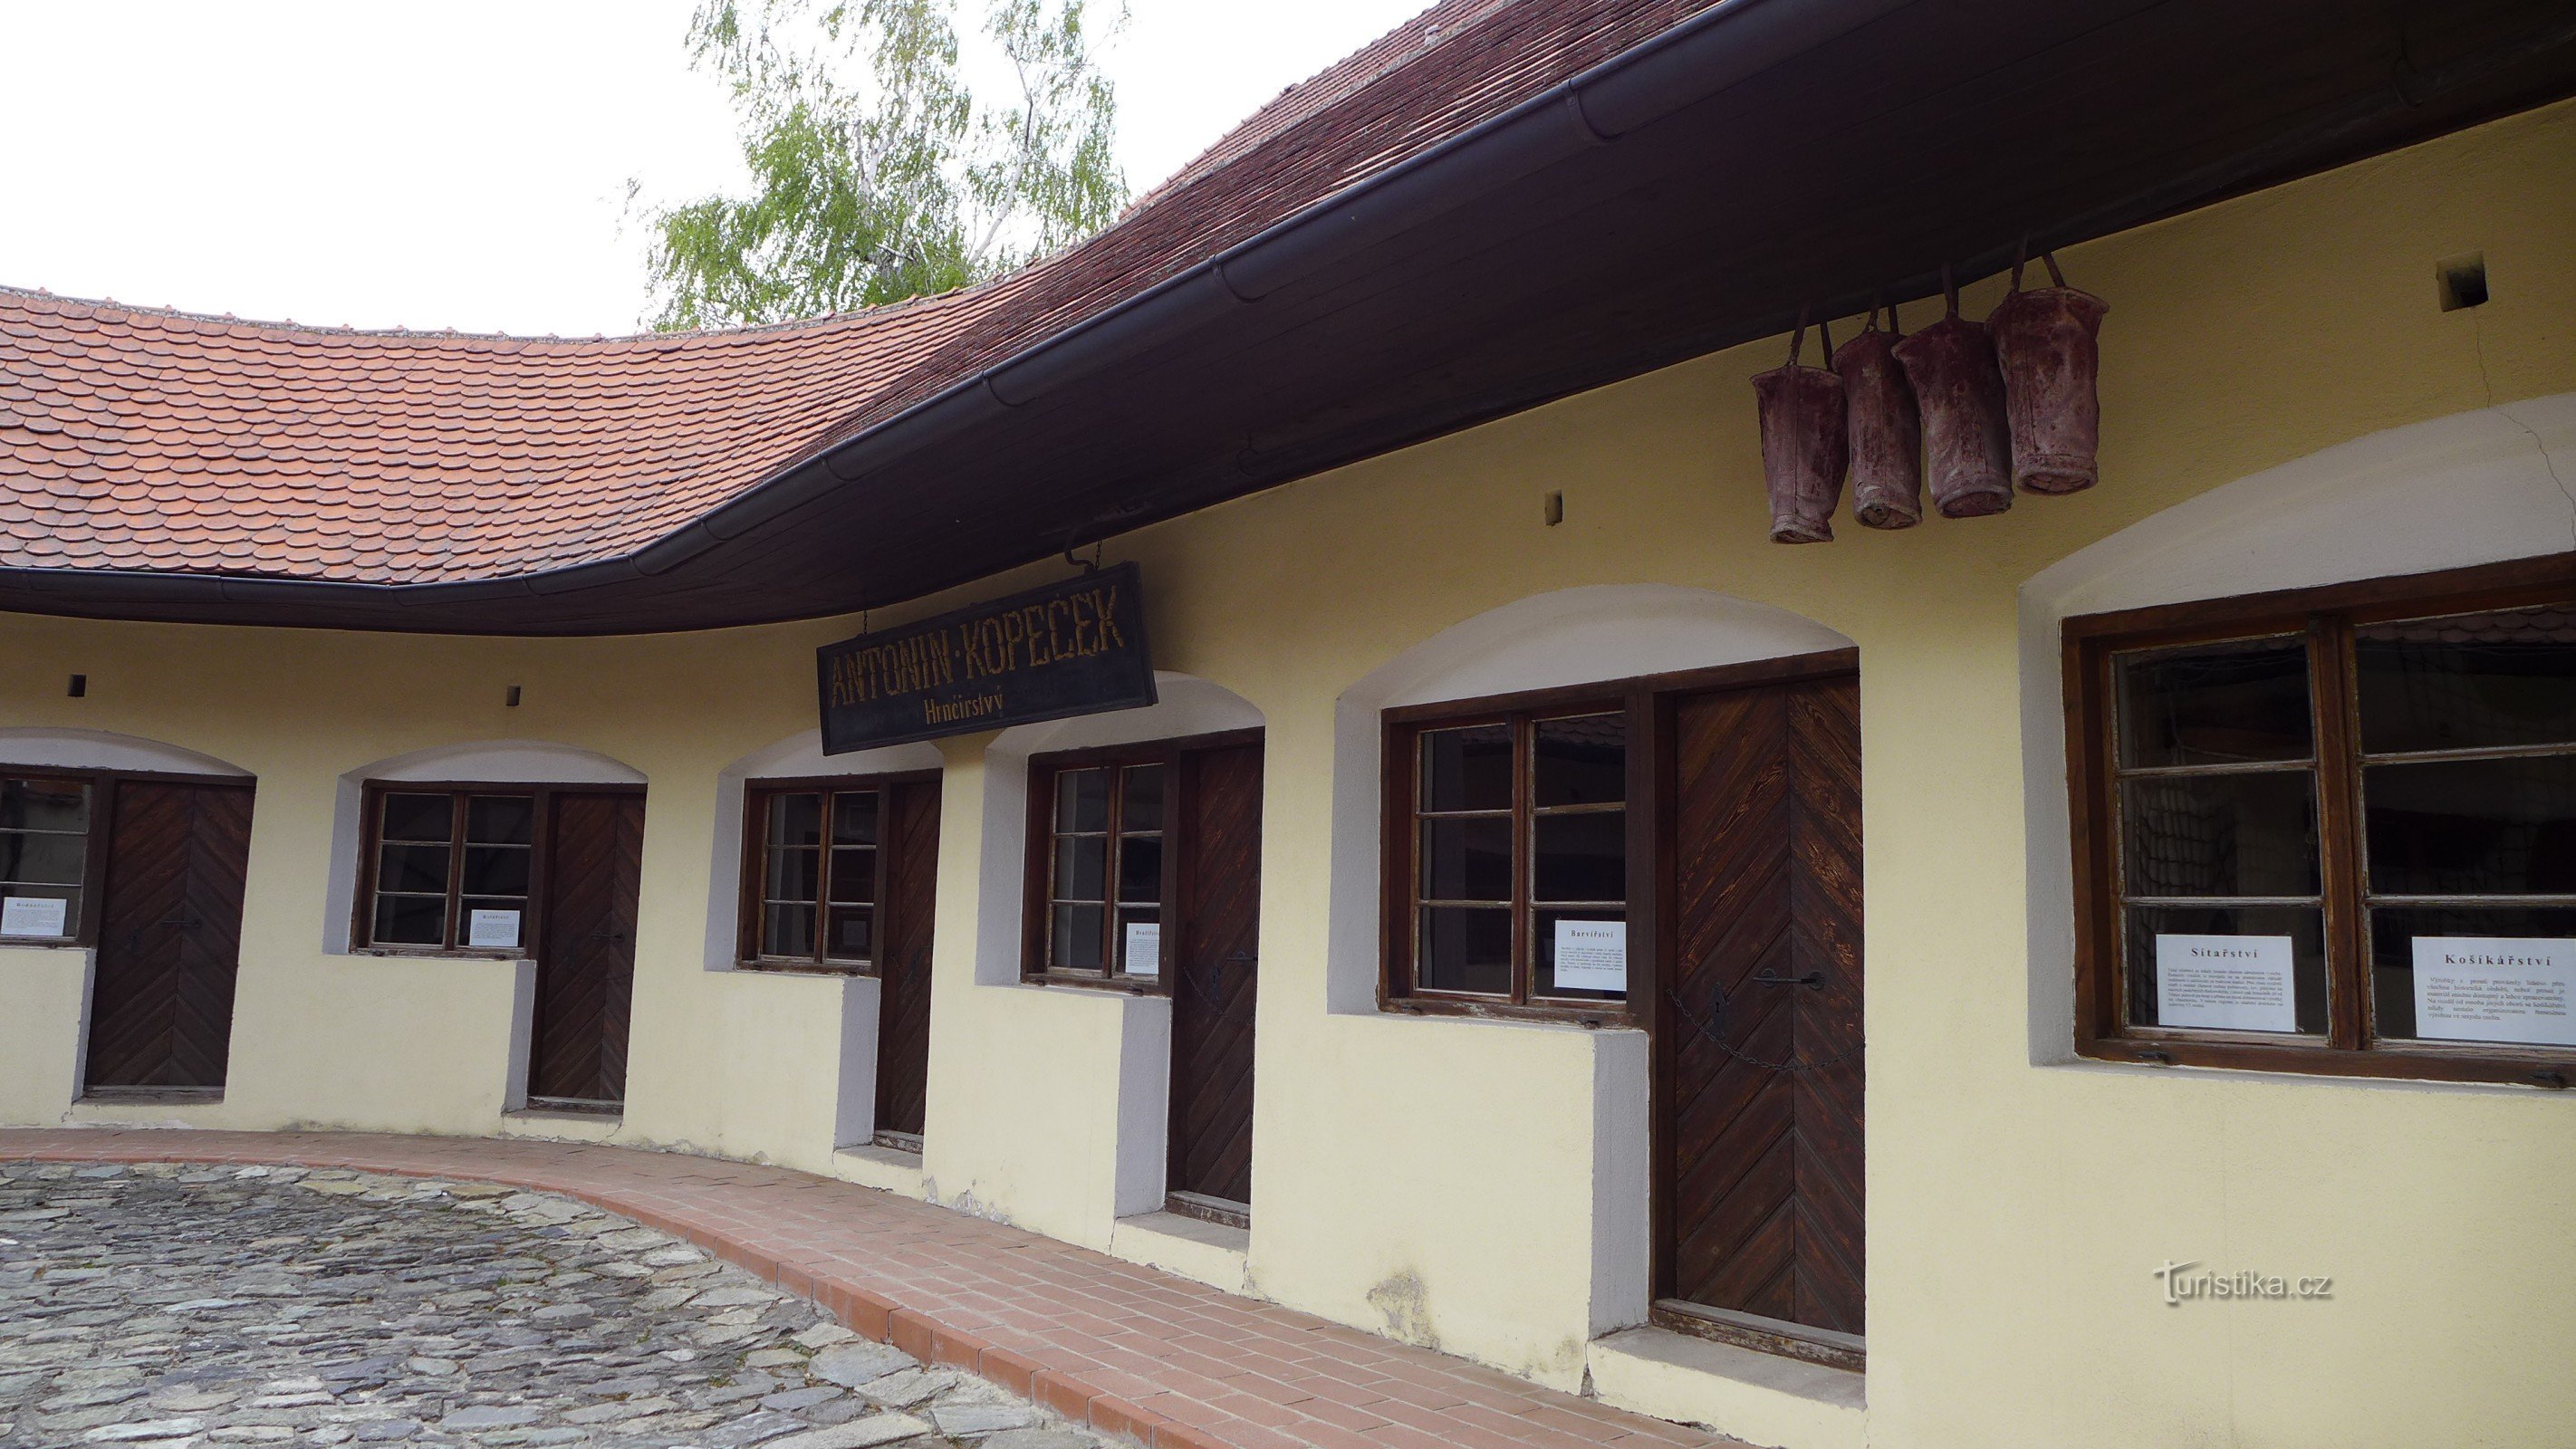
[(1884, 428), (1803, 450), (2047, 342), (1967, 454)]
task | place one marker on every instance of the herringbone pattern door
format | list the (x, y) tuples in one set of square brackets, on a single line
[(586, 949), (1216, 975), (169, 942), (1761, 1032), (903, 957)]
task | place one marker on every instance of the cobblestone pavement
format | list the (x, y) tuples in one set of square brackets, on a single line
[(187, 1306)]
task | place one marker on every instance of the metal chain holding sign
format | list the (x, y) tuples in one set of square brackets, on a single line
[(1710, 1028)]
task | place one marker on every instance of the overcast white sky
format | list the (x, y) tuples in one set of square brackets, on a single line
[(459, 164)]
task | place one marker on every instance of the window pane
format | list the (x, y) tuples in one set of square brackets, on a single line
[(1467, 859), (2469, 681), (787, 931), (1596, 961), (39, 920), (2220, 835), (2482, 985), (1082, 800), (1143, 807), (854, 817), (2216, 704), (54, 859), (411, 921), (854, 875), (853, 934), (1140, 941), (1140, 869), (413, 868), (1467, 769), (2472, 827), (1077, 938), (419, 817), (501, 819), (796, 819), (2236, 993), (793, 874), (1081, 867), (44, 805), (490, 870), (1580, 857), (1465, 948), (503, 923), (1581, 761)]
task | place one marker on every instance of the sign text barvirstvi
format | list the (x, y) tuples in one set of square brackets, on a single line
[(1076, 647)]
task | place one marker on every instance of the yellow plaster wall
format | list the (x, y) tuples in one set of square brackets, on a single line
[(1437, 1178)]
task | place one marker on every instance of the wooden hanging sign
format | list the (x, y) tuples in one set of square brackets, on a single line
[(1076, 647)]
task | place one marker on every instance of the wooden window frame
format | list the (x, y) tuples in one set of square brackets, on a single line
[(1037, 893), (94, 856), (362, 915), (2326, 618), (1402, 848), (1649, 702), (750, 900)]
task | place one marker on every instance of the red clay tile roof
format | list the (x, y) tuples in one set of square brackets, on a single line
[(141, 440)]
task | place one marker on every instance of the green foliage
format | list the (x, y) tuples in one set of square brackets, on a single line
[(877, 174)]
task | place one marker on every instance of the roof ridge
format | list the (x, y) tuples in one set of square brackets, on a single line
[(1401, 50), (57, 301)]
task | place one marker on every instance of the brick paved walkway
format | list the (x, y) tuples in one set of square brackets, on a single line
[(1129, 1350)]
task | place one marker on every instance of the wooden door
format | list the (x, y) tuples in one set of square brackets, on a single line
[(903, 960), (1215, 979), (1759, 1036), (169, 937), (586, 950)]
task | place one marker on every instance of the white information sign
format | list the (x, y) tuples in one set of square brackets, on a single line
[(33, 916), (487, 930), (2495, 988), (2237, 983), (1143, 955), (1592, 955)]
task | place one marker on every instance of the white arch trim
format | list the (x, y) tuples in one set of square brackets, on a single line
[(530, 762), (2474, 488), (75, 749), (797, 757)]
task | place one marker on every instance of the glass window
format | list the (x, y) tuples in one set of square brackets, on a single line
[(816, 875), (1105, 896), (2354, 833), (2468, 825), (1519, 870), (44, 855), (2220, 877), (453, 870)]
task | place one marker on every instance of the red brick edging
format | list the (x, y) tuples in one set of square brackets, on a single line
[(1232, 1373)]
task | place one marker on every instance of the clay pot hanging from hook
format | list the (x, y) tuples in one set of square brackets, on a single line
[(1803, 451), (2047, 343), (1883, 426), (1967, 454)]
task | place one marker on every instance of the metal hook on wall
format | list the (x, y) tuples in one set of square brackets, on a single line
[(1090, 565)]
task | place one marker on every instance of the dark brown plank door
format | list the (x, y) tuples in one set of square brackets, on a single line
[(1215, 973), (586, 949), (169, 939), (903, 958), (1763, 1160)]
